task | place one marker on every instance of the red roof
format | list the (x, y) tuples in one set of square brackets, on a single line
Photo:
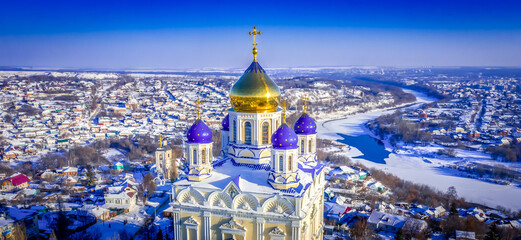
[(18, 179), (348, 209)]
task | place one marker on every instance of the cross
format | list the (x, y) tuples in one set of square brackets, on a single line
[(284, 106), (160, 140), (305, 98), (254, 33), (198, 104)]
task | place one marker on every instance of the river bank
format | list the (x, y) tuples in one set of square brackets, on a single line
[(416, 164)]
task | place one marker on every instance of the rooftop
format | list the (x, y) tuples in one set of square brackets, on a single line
[(250, 178)]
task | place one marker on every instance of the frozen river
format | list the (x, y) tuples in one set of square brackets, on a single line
[(418, 165)]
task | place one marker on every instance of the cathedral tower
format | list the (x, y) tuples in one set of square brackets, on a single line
[(306, 130), (225, 135), (164, 158), (254, 115), (199, 149), (283, 173)]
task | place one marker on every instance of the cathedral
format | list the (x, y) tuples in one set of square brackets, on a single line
[(266, 184)]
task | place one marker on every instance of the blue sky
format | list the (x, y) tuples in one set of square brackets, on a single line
[(194, 34)]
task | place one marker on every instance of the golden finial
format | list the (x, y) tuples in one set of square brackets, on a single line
[(198, 105), (254, 33), (284, 106), (305, 98), (160, 140)]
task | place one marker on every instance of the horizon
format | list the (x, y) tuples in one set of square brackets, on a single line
[(171, 35)]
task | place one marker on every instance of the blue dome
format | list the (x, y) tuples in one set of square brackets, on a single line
[(305, 125), (199, 133), (284, 138), (226, 123)]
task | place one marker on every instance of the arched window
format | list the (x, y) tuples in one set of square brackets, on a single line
[(194, 156), (203, 156), (281, 163), (265, 132), (273, 161), (302, 146), (234, 129), (247, 133), (290, 163), (310, 144)]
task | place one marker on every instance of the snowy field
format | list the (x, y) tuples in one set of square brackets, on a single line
[(416, 165)]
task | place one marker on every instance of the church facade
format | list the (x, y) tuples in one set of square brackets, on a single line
[(266, 184)]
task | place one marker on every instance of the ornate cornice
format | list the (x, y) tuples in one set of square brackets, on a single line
[(232, 225), (191, 221), (277, 231)]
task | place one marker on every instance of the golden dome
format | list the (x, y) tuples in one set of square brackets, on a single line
[(255, 91)]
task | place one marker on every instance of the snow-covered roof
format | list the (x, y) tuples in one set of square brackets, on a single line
[(386, 219), (252, 180)]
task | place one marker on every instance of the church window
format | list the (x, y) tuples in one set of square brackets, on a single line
[(247, 133), (234, 129), (265, 132), (194, 156), (203, 156), (281, 163), (302, 146), (310, 144)]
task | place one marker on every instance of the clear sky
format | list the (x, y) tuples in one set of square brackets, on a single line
[(193, 34)]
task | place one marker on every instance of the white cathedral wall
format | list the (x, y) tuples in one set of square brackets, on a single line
[(256, 120), (256, 152), (285, 157), (309, 153), (199, 147)]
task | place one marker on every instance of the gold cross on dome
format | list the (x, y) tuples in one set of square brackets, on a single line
[(254, 33), (305, 98), (198, 104), (284, 105)]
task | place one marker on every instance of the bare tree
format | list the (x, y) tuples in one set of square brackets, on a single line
[(361, 230), (19, 232)]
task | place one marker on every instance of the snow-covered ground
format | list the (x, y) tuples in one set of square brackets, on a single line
[(135, 218), (417, 166)]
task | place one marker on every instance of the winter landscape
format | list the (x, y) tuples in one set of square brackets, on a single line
[(267, 120)]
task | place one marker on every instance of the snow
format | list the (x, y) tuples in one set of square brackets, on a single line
[(114, 155), (135, 219), (416, 166), (252, 180)]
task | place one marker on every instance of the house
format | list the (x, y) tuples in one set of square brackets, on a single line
[(119, 166), (69, 171), (98, 212), (6, 227), (439, 211), (337, 213), (70, 181), (29, 218), (17, 181), (121, 200), (386, 222), (48, 175)]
